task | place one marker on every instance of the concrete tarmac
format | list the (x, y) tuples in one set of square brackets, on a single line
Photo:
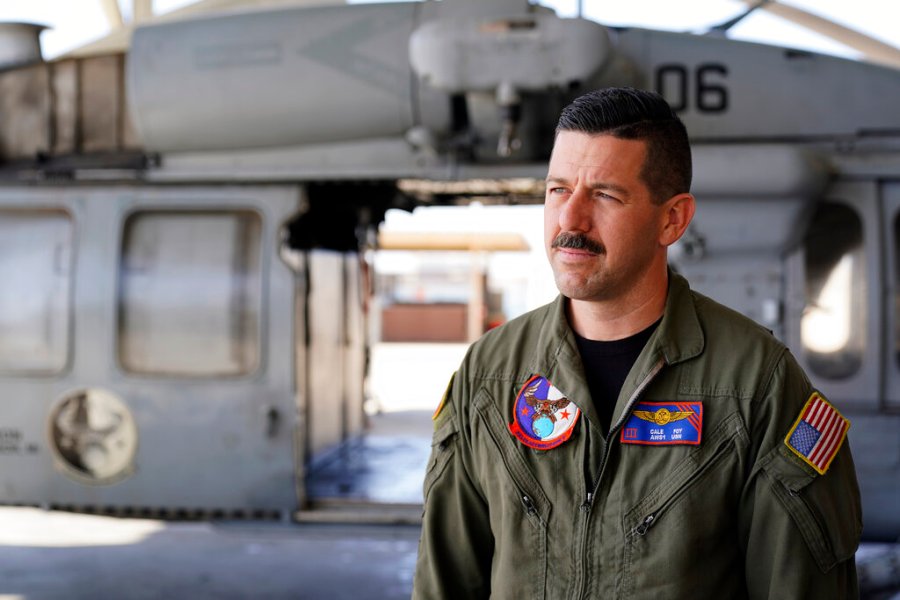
[(48, 555)]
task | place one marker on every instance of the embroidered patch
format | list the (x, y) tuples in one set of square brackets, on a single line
[(446, 395), (817, 433), (664, 424), (543, 418)]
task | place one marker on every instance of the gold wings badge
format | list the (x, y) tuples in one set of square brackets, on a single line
[(663, 416)]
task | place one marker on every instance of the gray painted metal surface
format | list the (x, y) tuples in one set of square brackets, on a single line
[(274, 78), (308, 76), (20, 44), (203, 440)]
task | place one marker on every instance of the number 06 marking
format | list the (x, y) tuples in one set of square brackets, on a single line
[(710, 96)]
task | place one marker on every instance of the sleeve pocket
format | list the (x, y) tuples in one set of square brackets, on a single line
[(825, 508), (443, 446)]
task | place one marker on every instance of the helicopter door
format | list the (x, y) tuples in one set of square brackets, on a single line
[(146, 355), (834, 306), (891, 232), (203, 346)]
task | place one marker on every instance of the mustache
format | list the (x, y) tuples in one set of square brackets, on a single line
[(578, 241)]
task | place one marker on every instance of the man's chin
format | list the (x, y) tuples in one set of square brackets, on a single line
[(577, 290)]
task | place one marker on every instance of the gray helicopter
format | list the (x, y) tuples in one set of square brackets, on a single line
[(185, 208)]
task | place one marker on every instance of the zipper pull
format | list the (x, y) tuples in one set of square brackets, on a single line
[(586, 505), (645, 524), (529, 505)]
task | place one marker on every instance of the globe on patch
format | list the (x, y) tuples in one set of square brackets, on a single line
[(542, 427)]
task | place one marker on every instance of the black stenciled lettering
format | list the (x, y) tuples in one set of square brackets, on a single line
[(710, 95), (672, 84)]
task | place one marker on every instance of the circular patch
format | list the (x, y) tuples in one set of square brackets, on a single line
[(93, 436), (543, 418)]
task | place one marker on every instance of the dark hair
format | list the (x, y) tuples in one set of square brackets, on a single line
[(632, 114)]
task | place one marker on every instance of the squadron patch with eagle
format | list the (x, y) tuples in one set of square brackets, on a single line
[(543, 418), (664, 424)]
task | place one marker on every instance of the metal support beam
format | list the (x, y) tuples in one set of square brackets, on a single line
[(872, 50), (113, 13), (142, 10)]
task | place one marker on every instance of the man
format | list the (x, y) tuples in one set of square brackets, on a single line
[(633, 439)]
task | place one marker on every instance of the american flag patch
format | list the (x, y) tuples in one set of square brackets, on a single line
[(818, 433)]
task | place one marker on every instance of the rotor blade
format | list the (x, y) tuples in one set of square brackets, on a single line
[(872, 49), (112, 13), (119, 39), (204, 6), (142, 10)]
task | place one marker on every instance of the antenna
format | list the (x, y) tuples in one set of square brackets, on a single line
[(722, 28)]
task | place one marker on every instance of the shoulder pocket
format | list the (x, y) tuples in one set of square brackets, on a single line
[(825, 508), (443, 446)]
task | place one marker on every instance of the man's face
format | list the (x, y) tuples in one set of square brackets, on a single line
[(601, 228)]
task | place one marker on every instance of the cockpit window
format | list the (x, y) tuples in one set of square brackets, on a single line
[(35, 290), (833, 327), (189, 293)]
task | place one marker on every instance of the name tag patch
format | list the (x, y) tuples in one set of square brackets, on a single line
[(818, 433), (664, 424), (543, 418)]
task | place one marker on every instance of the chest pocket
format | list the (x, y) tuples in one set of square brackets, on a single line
[(670, 532), (519, 508)]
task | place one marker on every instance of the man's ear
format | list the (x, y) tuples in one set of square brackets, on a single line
[(677, 214)]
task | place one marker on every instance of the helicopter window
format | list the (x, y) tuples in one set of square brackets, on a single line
[(189, 293), (897, 286), (35, 271), (833, 324)]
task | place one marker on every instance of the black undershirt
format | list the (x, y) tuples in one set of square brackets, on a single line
[(606, 365)]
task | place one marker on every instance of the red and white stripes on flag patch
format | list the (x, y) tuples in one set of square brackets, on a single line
[(817, 433)]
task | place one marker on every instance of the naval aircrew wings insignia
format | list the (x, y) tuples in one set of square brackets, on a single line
[(543, 418), (664, 424), (663, 415)]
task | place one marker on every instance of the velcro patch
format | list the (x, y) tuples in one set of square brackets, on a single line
[(818, 433), (543, 418), (446, 395), (664, 424)]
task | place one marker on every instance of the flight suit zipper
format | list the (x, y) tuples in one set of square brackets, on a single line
[(528, 503), (593, 486)]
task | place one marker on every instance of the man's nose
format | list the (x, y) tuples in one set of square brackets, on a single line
[(576, 213)]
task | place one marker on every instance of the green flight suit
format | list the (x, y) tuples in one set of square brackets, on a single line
[(737, 516)]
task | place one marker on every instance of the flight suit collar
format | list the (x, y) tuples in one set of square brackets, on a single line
[(557, 358), (679, 336)]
